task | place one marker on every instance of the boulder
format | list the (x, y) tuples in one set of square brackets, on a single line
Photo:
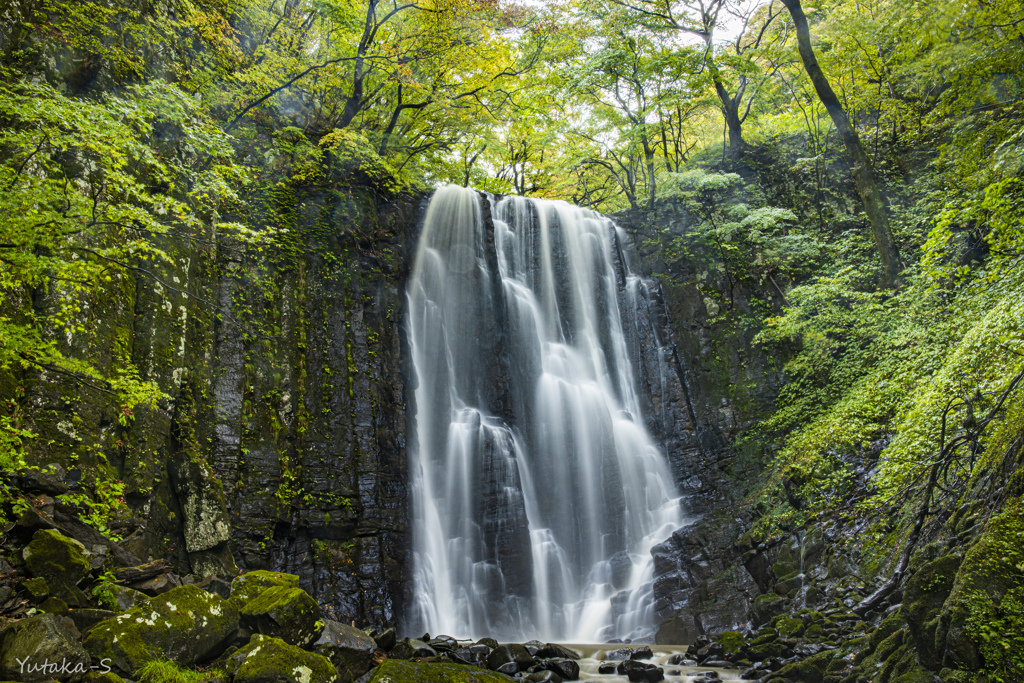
[(643, 652), (42, 647), (247, 586), (555, 650), (810, 670), (511, 653), (349, 650), (401, 671), (411, 648), (62, 561), (386, 639), (271, 660), (124, 598), (472, 654), (286, 613), (606, 668), (567, 669), (186, 625), (489, 642), (543, 677), (443, 643), (637, 671), (618, 655)]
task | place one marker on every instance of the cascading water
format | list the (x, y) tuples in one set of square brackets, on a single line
[(537, 491)]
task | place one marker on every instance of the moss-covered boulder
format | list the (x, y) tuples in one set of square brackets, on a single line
[(982, 623), (271, 660), (281, 612), (810, 670), (422, 672), (62, 561), (41, 648), (766, 607), (411, 648), (349, 649), (923, 598), (185, 625), (247, 586)]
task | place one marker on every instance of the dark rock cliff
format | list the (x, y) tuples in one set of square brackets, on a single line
[(281, 441)]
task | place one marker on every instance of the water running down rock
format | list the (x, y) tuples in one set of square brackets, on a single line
[(537, 490)]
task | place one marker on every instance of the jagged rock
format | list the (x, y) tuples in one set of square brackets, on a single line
[(510, 654), (385, 639), (206, 522), (401, 671), (636, 671), (36, 481), (533, 647), (247, 586), (48, 647), (411, 648), (566, 669), (186, 625), (349, 649), (286, 613), (471, 654), (271, 660), (443, 643), (556, 650), (62, 561)]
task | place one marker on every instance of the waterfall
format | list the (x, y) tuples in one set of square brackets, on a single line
[(537, 491)]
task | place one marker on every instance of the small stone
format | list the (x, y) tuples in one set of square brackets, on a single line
[(606, 668)]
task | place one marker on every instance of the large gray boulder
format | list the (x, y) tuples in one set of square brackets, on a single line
[(349, 649)]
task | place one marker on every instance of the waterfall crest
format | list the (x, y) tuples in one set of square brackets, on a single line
[(537, 492)]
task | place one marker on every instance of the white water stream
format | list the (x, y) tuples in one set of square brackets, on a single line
[(537, 492)]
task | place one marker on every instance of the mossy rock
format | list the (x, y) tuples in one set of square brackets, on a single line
[(790, 627), (421, 672), (62, 561), (249, 585), (923, 598), (732, 641), (767, 607), (917, 675), (185, 625), (271, 660), (103, 677), (988, 598), (757, 653), (810, 670), (49, 643), (892, 623), (282, 612), (37, 588)]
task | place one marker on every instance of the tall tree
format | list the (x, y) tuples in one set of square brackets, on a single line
[(863, 173)]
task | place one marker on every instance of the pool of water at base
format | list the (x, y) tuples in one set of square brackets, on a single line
[(594, 656)]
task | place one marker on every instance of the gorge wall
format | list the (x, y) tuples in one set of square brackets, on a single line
[(281, 441)]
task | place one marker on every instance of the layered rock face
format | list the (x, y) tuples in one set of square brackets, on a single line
[(280, 443)]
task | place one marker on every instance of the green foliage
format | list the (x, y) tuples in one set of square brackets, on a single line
[(163, 671)]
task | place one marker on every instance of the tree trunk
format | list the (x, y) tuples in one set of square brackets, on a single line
[(731, 113), (863, 174)]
